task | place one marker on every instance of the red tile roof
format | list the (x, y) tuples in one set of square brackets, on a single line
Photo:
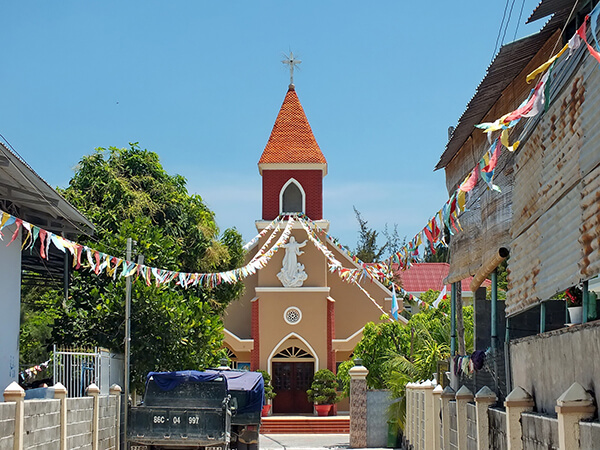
[(424, 276), (292, 140)]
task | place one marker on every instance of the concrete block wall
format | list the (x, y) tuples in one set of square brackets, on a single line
[(41, 424), (7, 425), (80, 412), (539, 432), (497, 430), (471, 427), (107, 423), (453, 444), (378, 402), (61, 423), (482, 425), (590, 434)]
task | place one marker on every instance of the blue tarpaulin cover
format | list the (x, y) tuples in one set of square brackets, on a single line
[(251, 382), (170, 380)]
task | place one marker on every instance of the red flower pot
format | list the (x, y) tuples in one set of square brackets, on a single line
[(265, 410), (323, 410)]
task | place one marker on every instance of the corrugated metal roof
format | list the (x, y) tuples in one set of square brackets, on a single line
[(508, 63), (547, 7), (22, 186)]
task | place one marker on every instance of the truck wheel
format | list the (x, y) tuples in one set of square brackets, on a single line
[(253, 446), (242, 446)]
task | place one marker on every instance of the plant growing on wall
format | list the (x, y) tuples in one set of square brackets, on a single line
[(323, 388)]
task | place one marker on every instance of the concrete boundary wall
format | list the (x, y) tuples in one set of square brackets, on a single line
[(42, 424), (61, 423), (483, 425), (7, 425)]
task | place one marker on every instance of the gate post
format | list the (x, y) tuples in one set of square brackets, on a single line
[(94, 391), (483, 400), (574, 405), (516, 403), (115, 390), (60, 393), (15, 393), (358, 405)]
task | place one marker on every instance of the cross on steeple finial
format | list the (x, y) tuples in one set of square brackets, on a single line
[(291, 61)]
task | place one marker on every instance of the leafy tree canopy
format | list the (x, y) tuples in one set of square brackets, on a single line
[(397, 354), (127, 194)]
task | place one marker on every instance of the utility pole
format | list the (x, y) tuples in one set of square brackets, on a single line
[(127, 338)]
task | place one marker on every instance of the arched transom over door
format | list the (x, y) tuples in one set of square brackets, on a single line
[(293, 369)]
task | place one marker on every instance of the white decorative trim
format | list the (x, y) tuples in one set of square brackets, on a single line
[(312, 351), (297, 183), (348, 339), (294, 289), (293, 166), (262, 224), (242, 344), (292, 308)]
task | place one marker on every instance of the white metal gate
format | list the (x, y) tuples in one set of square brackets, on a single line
[(76, 369)]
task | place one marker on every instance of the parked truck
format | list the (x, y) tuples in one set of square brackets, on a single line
[(209, 410)]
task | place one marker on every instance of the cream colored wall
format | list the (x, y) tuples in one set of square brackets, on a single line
[(238, 315), (353, 309), (313, 260), (312, 328)]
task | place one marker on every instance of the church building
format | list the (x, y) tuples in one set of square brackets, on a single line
[(296, 316)]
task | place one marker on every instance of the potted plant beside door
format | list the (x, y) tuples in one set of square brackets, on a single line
[(322, 391), (269, 393)]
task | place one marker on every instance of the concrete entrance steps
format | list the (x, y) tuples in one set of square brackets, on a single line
[(305, 424)]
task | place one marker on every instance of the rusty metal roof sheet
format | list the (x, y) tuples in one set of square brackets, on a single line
[(508, 63)]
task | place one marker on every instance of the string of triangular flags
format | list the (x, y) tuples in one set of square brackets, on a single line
[(100, 262), (533, 105)]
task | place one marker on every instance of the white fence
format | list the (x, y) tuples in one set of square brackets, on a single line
[(78, 368)]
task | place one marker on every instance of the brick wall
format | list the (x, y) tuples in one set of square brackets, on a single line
[(310, 180)]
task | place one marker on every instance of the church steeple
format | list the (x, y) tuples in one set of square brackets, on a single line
[(292, 140), (292, 164)]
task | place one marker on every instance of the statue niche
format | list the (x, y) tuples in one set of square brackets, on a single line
[(292, 273)]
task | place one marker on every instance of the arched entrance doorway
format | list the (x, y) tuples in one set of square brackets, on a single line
[(292, 371)]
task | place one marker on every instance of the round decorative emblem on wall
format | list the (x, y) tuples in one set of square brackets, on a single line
[(292, 315)]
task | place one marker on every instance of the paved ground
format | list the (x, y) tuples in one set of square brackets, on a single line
[(304, 441)]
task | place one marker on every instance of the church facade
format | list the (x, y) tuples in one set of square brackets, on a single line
[(295, 316)]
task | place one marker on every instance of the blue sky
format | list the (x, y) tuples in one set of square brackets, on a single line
[(200, 83)]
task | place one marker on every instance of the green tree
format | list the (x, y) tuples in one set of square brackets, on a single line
[(397, 354), (367, 249), (127, 194)]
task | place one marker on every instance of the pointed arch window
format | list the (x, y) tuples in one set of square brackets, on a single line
[(292, 198)]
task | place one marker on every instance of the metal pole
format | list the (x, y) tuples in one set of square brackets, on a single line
[(494, 327), (494, 311), (585, 301), (127, 339), (453, 320), (66, 280), (542, 317)]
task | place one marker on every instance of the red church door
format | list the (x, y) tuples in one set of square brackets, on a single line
[(290, 382)]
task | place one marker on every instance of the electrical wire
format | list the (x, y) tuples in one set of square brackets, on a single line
[(519, 20), (500, 29), (508, 21)]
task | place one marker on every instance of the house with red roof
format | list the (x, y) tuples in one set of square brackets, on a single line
[(421, 277)]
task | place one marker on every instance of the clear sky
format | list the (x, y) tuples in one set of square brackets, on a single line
[(200, 83)]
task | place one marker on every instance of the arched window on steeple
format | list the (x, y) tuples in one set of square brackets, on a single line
[(292, 198)]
